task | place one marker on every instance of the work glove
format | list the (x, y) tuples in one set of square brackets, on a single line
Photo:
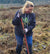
[(18, 15), (25, 30)]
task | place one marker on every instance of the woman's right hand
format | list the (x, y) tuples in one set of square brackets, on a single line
[(18, 15)]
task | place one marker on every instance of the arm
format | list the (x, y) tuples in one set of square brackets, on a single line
[(16, 20), (32, 24)]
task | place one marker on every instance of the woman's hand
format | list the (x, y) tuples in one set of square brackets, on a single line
[(25, 30), (18, 15)]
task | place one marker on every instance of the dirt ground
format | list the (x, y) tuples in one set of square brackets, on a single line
[(41, 35)]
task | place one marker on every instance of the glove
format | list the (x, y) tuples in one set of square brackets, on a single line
[(18, 15), (25, 30)]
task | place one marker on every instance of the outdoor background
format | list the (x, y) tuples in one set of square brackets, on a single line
[(41, 36)]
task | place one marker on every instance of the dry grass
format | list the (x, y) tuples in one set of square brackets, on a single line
[(41, 33)]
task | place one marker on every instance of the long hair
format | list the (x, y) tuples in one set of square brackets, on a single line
[(27, 2)]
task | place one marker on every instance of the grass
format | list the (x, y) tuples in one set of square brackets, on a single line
[(1, 6), (41, 35)]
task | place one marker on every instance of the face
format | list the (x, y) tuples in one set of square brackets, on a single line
[(29, 9)]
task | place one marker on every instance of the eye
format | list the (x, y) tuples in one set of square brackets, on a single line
[(27, 6), (31, 5)]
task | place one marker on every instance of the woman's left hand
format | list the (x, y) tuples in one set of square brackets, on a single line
[(25, 30)]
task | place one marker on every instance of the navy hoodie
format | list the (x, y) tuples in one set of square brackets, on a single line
[(29, 23)]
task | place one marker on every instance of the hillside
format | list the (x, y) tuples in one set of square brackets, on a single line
[(41, 36)]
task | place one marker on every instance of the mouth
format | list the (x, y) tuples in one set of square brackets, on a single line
[(27, 11), (30, 9)]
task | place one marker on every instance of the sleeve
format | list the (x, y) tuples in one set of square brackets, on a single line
[(16, 20), (32, 24)]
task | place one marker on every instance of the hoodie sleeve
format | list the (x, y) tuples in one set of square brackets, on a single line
[(16, 20), (33, 23)]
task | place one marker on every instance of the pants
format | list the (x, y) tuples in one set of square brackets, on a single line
[(20, 43)]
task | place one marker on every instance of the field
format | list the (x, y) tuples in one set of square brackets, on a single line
[(41, 35)]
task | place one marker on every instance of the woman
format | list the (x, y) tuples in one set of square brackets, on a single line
[(28, 17)]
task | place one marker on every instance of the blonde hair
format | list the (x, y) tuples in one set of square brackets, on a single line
[(27, 2)]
